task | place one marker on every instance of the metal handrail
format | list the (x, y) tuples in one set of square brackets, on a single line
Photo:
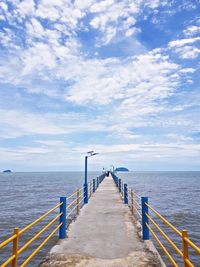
[(40, 246), (197, 249), (146, 228), (39, 219), (164, 220), (38, 234), (137, 204), (162, 246), (15, 237), (71, 203), (74, 193), (10, 239), (165, 236), (69, 213), (137, 212)]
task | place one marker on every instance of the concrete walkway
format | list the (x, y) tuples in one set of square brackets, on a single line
[(104, 234)]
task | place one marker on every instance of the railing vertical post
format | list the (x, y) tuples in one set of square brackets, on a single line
[(85, 190), (185, 248), (145, 230), (132, 195), (122, 189), (63, 207), (94, 185), (97, 182), (77, 202), (120, 185), (15, 247), (125, 194)]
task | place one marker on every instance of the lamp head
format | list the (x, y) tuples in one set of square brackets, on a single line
[(91, 153)]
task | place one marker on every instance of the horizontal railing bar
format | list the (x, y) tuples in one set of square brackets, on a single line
[(197, 249), (69, 213), (3, 244), (165, 236), (39, 219), (71, 203), (81, 194), (162, 246), (139, 206), (164, 220), (134, 194), (71, 195), (8, 261), (38, 234), (81, 200), (137, 211), (40, 246), (189, 263)]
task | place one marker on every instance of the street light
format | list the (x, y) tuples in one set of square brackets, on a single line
[(89, 154)]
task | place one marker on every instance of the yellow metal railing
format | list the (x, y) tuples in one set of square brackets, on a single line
[(140, 210), (186, 242), (134, 204), (17, 233), (76, 202)]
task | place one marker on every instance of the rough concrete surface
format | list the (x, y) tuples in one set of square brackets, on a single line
[(104, 234)]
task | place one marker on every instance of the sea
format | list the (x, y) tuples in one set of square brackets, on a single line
[(25, 196)]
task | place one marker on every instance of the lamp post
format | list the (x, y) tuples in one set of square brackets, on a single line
[(89, 154)]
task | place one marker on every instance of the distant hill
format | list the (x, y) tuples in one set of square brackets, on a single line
[(121, 169), (7, 171)]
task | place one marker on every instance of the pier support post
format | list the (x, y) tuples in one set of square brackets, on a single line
[(145, 230), (132, 209), (15, 247), (85, 190), (97, 182), (120, 185), (94, 188), (125, 194), (185, 248), (62, 229)]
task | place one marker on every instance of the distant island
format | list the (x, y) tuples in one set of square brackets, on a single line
[(121, 169), (7, 171)]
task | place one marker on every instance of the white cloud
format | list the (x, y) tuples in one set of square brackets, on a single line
[(192, 30), (25, 8), (16, 123), (115, 95), (3, 6), (183, 42), (187, 70), (188, 52), (185, 48), (130, 81)]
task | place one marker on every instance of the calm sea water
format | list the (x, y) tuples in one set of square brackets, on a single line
[(176, 195), (26, 196)]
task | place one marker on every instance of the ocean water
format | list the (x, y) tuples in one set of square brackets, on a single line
[(26, 196), (176, 196)]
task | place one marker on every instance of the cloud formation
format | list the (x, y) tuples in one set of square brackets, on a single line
[(99, 75)]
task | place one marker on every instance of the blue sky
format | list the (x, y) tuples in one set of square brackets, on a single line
[(118, 77)]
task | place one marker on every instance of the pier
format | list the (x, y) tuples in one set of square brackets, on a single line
[(105, 223), (104, 234)]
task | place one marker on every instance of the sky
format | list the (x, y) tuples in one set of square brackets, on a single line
[(117, 77)]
